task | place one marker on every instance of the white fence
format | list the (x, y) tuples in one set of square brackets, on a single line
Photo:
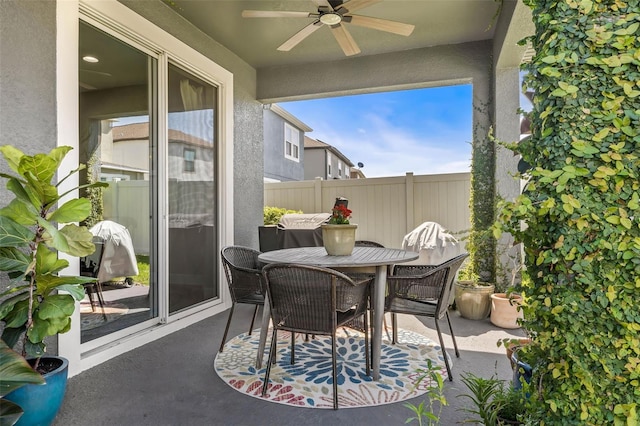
[(127, 203), (385, 209)]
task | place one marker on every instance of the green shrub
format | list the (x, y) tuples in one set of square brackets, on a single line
[(581, 208), (272, 215)]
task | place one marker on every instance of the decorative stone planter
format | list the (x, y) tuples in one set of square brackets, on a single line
[(339, 240), (473, 300), (505, 310)]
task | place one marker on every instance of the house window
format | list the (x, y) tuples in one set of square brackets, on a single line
[(291, 142), (329, 160), (340, 169), (189, 160)]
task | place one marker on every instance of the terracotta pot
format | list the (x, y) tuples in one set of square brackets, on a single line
[(339, 240), (512, 346), (505, 310), (473, 301)]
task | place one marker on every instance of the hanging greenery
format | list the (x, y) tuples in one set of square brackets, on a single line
[(95, 194), (581, 211)]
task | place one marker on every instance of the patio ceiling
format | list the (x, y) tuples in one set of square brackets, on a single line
[(255, 40), (450, 36), (457, 31)]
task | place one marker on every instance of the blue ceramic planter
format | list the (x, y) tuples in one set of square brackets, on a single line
[(520, 370), (42, 402)]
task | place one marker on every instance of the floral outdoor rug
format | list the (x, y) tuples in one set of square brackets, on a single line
[(90, 319), (308, 383)]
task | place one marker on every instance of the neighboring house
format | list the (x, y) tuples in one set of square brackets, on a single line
[(283, 143), (356, 172), (69, 66), (324, 161), (128, 145)]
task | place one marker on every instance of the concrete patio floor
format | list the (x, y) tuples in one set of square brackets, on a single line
[(171, 381)]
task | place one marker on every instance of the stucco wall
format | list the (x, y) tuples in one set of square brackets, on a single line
[(27, 77), (276, 166), (248, 131), (27, 86), (428, 67)]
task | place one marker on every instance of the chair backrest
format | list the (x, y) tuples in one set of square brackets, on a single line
[(452, 265), (427, 282), (243, 272), (90, 265), (308, 299), (365, 243)]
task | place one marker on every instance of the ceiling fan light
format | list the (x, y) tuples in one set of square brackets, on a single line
[(330, 18)]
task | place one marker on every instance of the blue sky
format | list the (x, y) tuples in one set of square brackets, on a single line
[(424, 131)]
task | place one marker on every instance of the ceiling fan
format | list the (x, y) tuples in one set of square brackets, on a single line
[(334, 13)]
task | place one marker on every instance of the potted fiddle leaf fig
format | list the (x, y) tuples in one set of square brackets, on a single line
[(36, 302), (15, 372)]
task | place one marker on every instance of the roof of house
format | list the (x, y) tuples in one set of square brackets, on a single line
[(114, 166), (289, 117), (141, 131), (310, 143)]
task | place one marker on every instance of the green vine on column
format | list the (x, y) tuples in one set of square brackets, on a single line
[(581, 208), (482, 245)]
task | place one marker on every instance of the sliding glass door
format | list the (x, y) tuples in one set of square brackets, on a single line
[(118, 146), (148, 129), (192, 189)]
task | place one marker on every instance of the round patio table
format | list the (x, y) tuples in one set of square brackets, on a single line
[(378, 257)]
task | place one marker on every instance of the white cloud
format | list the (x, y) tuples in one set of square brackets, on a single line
[(389, 150)]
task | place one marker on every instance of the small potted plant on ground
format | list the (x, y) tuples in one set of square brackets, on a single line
[(511, 344), (506, 303), (481, 394), (494, 401), (509, 405), (38, 302)]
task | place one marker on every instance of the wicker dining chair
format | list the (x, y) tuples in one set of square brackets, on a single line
[(358, 323), (423, 290), (366, 243), (89, 267), (314, 300), (244, 277)]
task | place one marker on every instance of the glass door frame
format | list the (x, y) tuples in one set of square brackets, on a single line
[(124, 24)]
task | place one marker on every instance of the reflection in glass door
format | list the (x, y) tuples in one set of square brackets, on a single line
[(192, 189), (116, 144)]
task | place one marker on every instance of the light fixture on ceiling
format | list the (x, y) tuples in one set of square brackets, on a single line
[(335, 15), (330, 18), (90, 59)]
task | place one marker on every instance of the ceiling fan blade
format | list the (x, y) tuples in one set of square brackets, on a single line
[(323, 3), (345, 40), (353, 5), (380, 24), (299, 36), (275, 14)]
